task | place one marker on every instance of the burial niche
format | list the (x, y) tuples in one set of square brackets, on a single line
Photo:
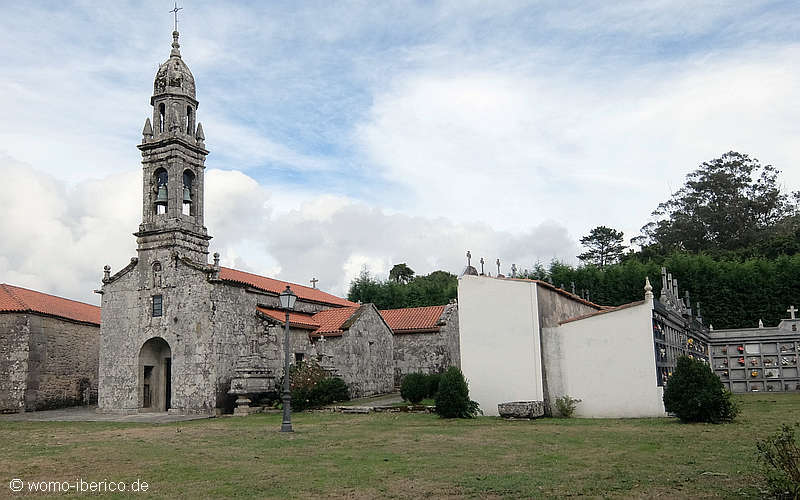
[(155, 375)]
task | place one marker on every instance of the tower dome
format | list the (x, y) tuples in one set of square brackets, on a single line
[(173, 76)]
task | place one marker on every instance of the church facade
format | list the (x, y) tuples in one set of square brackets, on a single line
[(181, 334)]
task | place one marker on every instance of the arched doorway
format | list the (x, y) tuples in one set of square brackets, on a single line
[(155, 375)]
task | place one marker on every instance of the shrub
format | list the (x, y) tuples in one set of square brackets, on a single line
[(330, 390), (566, 405), (780, 459), (414, 387), (312, 387), (433, 384), (452, 400), (695, 394)]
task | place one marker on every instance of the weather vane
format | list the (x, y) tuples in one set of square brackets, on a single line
[(175, 11)]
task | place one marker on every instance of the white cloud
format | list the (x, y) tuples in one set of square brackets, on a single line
[(516, 149)]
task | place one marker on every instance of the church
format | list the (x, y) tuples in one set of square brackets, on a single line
[(181, 334)]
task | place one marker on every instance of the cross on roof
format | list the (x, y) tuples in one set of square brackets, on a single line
[(791, 311), (314, 282), (175, 11)]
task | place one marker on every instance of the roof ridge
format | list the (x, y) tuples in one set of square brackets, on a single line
[(414, 307)]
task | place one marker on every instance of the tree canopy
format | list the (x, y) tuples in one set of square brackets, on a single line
[(604, 246), (434, 289), (730, 203), (401, 273)]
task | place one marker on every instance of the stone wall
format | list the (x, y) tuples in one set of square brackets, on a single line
[(46, 362), (14, 341), (363, 354), (63, 363), (428, 352)]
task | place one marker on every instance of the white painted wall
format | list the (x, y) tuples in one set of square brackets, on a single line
[(608, 361), (499, 335)]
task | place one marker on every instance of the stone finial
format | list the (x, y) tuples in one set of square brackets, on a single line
[(792, 310), (572, 287), (498, 267), (147, 131), (198, 134), (176, 47), (482, 262), (648, 288), (106, 273), (760, 323), (216, 259), (711, 327), (469, 258)]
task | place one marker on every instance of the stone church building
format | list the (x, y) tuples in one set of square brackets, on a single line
[(181, 334)]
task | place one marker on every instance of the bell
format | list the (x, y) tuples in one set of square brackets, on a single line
[(161, 198), (187, 195)]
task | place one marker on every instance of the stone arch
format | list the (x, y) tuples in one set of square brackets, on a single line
[(155, 375)]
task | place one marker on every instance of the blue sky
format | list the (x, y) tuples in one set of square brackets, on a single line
[(345, 134)]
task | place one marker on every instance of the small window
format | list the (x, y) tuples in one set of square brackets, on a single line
[(189, 120), (298, 357), (156, 266), (158, 303), (161, 116)]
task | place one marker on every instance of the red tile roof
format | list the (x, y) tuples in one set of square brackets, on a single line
[(331, 321), (296, 319), (14, 298), (277, 286), (413, 319)]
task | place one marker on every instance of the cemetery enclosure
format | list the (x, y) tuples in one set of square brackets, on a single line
[(406, 456)]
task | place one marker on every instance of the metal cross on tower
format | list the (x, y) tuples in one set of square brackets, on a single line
[(175, 11), (314, 282), (791, 311)]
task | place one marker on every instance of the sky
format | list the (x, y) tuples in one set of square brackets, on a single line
[(352, 134)]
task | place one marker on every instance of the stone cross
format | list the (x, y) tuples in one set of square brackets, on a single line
[(791, 311), (175, 11), (481, 265), (498, 267), (314, 282)]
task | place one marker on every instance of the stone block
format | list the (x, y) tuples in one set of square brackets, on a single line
[(521, 409)]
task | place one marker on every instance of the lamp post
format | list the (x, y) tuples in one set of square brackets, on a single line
[(287, 303)]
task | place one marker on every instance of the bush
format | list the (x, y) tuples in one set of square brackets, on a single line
[(452, 400), (695, 394), (780, 459), (414, 387), (433, 384), (312, 387), (330, 390), (566, 405)]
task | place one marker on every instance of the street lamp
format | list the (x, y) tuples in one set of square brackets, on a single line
[(287, 303)]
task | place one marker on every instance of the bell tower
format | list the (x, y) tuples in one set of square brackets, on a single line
[(173, 161)]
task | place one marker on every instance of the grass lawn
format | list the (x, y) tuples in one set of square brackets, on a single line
[(403, 455), (424, 402)]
